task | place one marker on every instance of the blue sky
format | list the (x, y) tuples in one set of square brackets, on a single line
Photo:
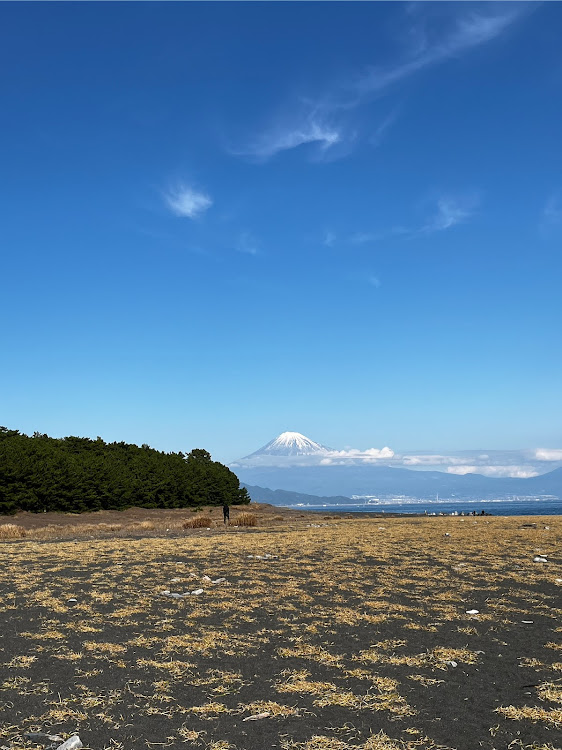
[(223, 221)]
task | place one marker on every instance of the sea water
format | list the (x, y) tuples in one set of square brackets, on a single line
[(518, 506)]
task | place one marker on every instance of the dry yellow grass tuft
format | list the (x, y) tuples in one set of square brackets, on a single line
[(54, 531), (247, 519), (271, 707), (550, 691), (210, 710), (309, 651), (188, 735), (318, 742), (12, 531), (198, 522), (21, 662), (532, 713), (144, 525), (380, 741)]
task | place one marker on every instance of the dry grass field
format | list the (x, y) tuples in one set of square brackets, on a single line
[(138, 522), (337, 634)]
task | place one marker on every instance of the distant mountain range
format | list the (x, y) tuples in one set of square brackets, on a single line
[(284, 497), (382, 481), (343, 482)]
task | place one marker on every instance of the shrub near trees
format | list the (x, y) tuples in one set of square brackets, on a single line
[(76, 475)]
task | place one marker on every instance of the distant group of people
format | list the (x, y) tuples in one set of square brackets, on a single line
[(462, 513)]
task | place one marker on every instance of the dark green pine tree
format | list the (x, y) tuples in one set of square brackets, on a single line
[(76, 474)]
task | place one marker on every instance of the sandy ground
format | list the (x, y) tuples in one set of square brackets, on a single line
[(340, 634)]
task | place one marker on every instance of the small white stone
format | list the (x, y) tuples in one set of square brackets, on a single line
[(72, 743), (197, 592), (472, 612)]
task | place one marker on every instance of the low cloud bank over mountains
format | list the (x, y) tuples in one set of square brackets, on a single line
[(292, 449)]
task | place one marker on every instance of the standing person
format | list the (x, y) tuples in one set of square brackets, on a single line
[(226, 513)]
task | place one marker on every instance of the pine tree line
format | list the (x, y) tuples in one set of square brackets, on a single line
[(76, 475)]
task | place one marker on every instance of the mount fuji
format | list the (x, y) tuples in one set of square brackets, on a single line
[(290, 444)]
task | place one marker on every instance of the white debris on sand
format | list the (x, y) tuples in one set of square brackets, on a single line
[(255, 717)]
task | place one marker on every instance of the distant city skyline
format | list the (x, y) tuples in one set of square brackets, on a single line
[(222, 221)]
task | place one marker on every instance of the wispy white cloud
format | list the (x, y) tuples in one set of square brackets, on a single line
[(347, 457), (379, 133), (364, 238), (445, 213), (329, 239), (546, 454), (311, 130), (364, 277), (468, 30), (552, 212), (449, 212), (516, 472), (323, 119), (187, 202), (247, 244), (517, 464), (369, 456), (431, 460)]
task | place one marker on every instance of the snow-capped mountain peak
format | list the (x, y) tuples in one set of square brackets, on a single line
[(291, 444)]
